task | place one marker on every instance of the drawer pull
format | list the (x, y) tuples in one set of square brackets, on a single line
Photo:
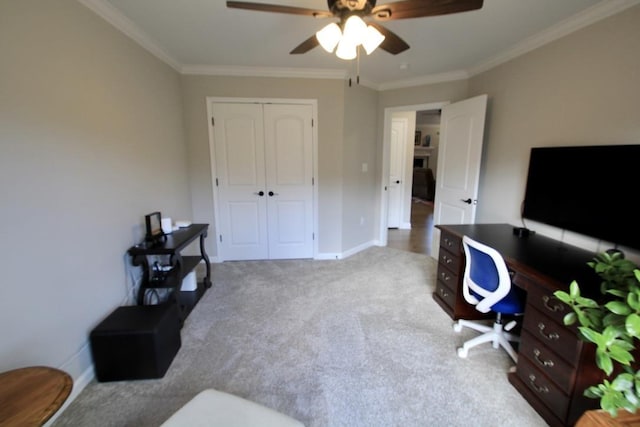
[(536, 387), (551, 336), (448, 242), (445, 276), (558, 306), (545, 363), (446, 259), (443, 293)]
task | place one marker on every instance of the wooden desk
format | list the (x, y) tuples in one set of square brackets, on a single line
[(172, 246), (554, 365), (30, 396)]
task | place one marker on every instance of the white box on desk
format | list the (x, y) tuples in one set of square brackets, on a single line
[(189, 283)]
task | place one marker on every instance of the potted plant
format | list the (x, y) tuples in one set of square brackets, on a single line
[(612, 324)]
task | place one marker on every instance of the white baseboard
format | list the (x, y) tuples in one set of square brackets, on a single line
[(347, 253), (80, 367)]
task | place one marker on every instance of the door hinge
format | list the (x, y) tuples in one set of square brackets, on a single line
[(221, 238), (216, 182), (313, 236), (313, 181), (311, 122), (213, 122)]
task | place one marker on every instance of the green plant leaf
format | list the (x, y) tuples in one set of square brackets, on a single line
[(592, 335), (574, 290), (632, 325), (603, 361), (634, 300), (570, 318), (563, 296), (593, 392), (618, 307), (622, 382), (586, 302)]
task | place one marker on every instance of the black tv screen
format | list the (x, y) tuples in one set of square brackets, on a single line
[(591, 190)]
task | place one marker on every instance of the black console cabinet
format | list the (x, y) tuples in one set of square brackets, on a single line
[(171, 245)]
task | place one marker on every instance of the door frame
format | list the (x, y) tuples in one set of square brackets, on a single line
[(212, 158), (386, 150)]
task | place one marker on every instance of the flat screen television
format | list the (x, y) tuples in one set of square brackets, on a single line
[(591, 190)]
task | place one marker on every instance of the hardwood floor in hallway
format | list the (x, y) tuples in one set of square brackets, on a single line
[(418, 238)]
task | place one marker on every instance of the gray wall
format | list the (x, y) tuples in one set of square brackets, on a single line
[(91, 140), (359, 186), (583, 89)]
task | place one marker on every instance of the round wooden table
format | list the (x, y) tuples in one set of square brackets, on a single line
[(30, 396)]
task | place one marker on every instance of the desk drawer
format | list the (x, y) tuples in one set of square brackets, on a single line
[(448, 277), (450, 242), (559, 371), (553, 336), (446, 294), (452, 261), (545, 390), (543, 300)]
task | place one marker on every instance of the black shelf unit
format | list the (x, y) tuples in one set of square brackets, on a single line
[(172, 245)]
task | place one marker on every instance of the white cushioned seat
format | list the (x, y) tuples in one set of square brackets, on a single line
[(215, 408)]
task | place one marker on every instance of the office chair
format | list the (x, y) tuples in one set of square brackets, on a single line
[(487, 285)]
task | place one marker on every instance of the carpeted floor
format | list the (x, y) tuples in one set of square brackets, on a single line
[(354, 342)]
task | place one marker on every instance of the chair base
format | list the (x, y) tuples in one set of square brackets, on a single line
[(496, 334)]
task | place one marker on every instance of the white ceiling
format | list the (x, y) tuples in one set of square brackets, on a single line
[(204, 36)]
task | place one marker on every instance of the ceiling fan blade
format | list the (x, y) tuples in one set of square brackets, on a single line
[(421, 8), (392, 43), (263, 7), (305, 46)]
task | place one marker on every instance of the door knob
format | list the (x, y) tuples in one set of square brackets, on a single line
[(259, 193), (398, 182), (468, 201), (271, 194)]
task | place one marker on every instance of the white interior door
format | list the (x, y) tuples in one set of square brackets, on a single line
[(240, 176), (459, 156), (264, 180), (396, 170), (289, 172)]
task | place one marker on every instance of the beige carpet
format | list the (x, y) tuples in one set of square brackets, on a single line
[(355, 342)]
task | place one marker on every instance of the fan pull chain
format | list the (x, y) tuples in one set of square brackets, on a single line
[(358, 65)]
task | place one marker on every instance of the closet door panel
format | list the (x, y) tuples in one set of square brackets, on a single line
[(240, 173), (289, 174)]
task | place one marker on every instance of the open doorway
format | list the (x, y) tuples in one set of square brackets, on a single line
[(416, 203)]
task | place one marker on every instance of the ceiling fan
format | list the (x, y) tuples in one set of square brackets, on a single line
[(378, 35)]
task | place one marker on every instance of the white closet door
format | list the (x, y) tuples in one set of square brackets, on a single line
[(289, 173), (264, 172), (239, 153)]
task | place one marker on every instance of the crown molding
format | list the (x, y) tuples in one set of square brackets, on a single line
[(124, 24), (595, 13), (241, 71), (424, 80)]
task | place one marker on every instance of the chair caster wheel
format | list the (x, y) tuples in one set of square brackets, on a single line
[(457, 327), (462, 352)]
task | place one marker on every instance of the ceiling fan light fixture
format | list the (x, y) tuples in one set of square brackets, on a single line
[(329, 36), (346, 49), (355, 30), (373, 39)]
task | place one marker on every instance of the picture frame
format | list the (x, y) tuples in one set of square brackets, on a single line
[(153, 225), (418, 138)]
